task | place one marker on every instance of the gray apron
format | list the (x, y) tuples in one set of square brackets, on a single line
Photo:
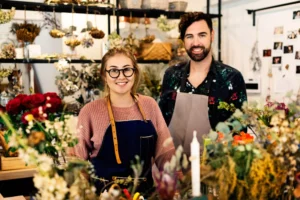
[(190, 113)]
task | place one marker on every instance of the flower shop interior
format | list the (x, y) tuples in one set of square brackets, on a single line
[(54, 48)]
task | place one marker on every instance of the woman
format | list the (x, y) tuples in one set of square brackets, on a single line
[(114, 129)]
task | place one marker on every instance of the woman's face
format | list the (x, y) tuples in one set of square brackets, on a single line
[(119, 82)]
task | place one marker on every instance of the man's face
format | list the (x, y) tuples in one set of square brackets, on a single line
[(197, 40)]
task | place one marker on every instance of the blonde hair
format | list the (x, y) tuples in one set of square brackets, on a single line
[(121, 51)]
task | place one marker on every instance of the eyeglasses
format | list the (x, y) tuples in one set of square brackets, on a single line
[(115, 73)]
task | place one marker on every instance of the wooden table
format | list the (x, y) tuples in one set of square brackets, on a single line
[(17, 174)]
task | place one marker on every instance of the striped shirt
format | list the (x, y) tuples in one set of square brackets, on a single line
[(93, 121)]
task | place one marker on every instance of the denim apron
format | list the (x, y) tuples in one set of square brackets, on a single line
[(123, 140)]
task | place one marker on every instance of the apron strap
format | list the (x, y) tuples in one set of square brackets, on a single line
[(114, 131), (113, 125), (140, 108)]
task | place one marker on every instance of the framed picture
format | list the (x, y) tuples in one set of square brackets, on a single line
[(298, 69), (297, 55), (288, 49), (278, 45), (278, 30), (276, 60), (267, 52), (292, 35), (296, 14)]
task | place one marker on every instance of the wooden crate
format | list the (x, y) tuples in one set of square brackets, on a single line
[(11, 163)]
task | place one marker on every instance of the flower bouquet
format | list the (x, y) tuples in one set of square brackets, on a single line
[(39, 121), (260, 165)]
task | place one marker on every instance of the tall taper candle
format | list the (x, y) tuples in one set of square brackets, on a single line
[(195, 160)]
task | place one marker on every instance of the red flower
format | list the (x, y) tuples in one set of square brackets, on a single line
[(21, 96), (39, 113), (234, 96), (211, 100), (13, 106), (53, 104), (51, 95), (26, 102), (37, 100)]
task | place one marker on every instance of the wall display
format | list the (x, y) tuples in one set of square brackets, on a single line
[(276, 60), (278, 45), (278, 30), (292, 34), (296, 14), (298, 69), (267, 53), (288, 49), (297, 55)]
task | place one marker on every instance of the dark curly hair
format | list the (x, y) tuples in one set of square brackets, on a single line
[(187, 19)]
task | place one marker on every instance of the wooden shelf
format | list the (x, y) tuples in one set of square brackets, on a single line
[(25, 61), (17, 174)]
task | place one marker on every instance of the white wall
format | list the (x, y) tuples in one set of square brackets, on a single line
[(239, 36)]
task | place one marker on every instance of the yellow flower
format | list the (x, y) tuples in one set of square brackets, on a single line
[(29, 117)]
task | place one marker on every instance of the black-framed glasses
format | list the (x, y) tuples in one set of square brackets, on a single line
[(115, 73)]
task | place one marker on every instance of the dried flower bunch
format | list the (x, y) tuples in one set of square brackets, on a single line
[(8, 51), (26, 32), (96, 33), (164, 25), (132, 43), (148, 38), (87, 42), (114, 40), (72, 42), (72, 80), (5, 72), (7, 16), (55, 33)]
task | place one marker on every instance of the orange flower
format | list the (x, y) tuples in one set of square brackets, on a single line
[(220, 136), (242, 138)]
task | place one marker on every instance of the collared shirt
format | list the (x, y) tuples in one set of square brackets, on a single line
[(222, 84)]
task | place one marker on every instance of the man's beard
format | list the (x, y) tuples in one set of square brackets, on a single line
[(201, 56)]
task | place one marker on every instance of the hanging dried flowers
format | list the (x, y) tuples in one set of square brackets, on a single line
[(8, 51), (26, 32), (132, 43), (114, 40), (55, 33), (7, 16), (96, 33), (72, 42), (87, 42)]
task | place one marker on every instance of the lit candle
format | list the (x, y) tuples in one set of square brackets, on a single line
[(195, 160)]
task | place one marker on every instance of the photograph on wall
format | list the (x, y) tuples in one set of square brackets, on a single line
[(292, 34), (296, 14), (278, 45), (288, 49), (276, 60), (267, 53), (297, 55), (298, 69), (278, 30)]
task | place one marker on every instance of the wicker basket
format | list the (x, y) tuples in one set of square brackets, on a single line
[(178, 6), (131, 4), (156, 51), (155, 4)]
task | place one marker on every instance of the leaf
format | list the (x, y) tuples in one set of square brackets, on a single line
[(223, 128), (213, 135), (89, 25), (83, 30), (237, 126)]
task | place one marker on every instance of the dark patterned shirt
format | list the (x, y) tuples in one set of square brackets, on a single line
[(223, 83)]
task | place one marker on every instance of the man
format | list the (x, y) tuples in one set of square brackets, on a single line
[(191, 92)]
